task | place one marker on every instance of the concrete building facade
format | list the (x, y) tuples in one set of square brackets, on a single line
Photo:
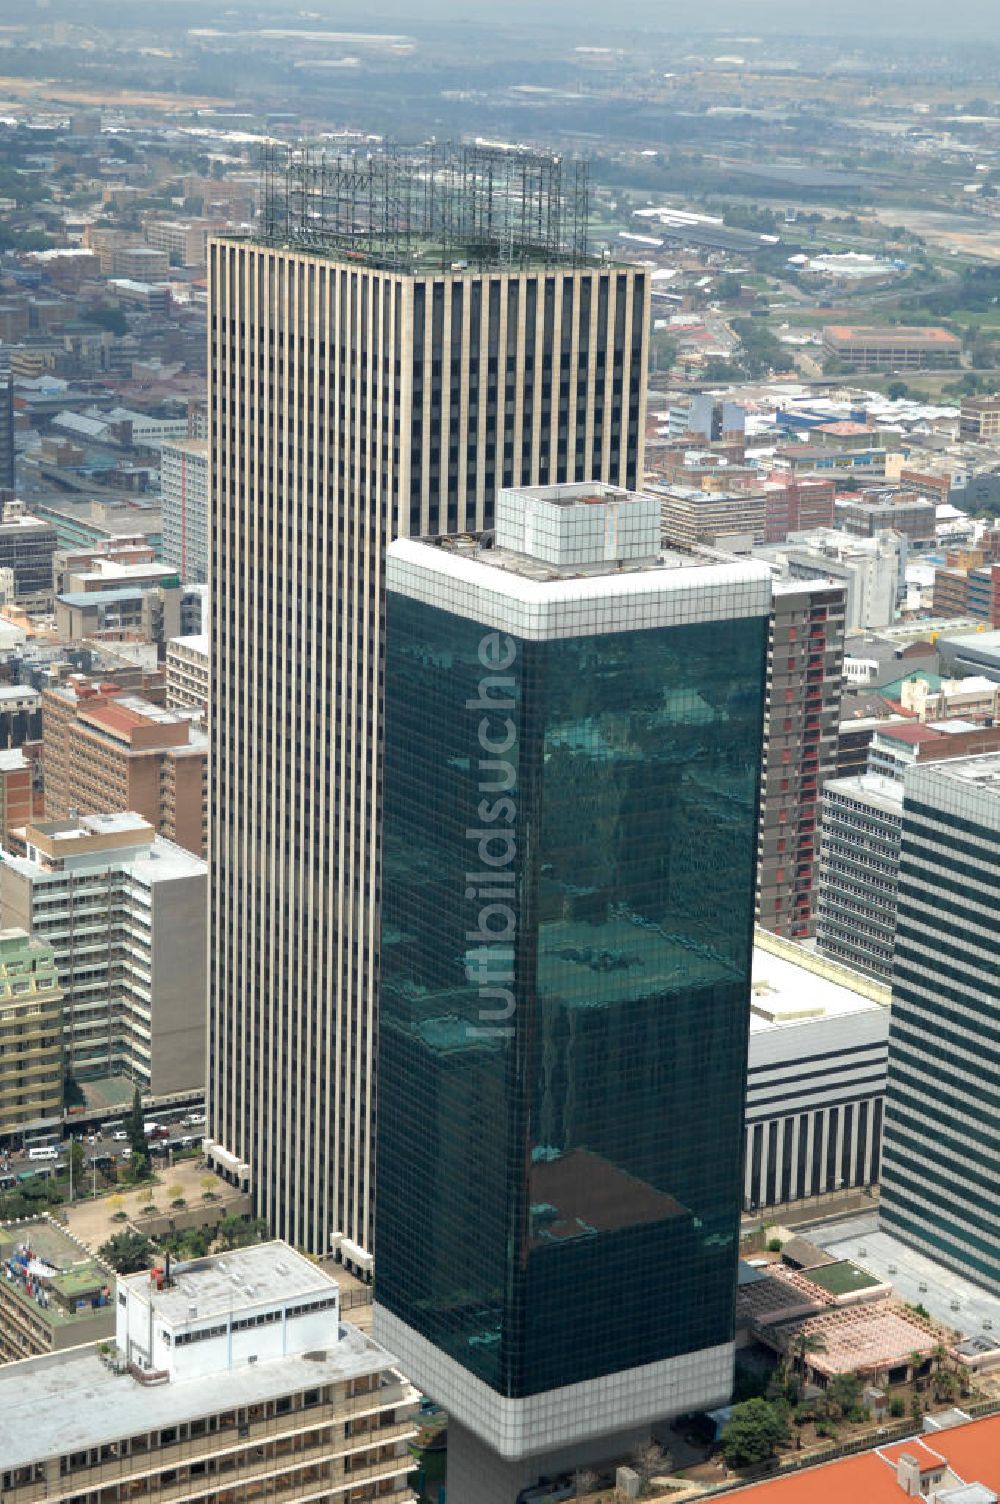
[(125, 915), (105, 751), (816, 1077), (229, 1377), (805, 667), (980, 417), (858, 872), (351, 402), (942, 1137), (17, 800), (892, 347), (866, 516), (188, 673), (184, 507)]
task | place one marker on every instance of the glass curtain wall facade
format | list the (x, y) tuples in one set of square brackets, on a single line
[(561, 1107)]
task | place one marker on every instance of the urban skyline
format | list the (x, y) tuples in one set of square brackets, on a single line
[(499, 746)]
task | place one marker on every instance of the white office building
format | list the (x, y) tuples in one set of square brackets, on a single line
[(873, 570), (816, 1076)]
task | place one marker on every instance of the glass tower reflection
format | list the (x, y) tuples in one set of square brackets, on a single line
[(561, 1105)]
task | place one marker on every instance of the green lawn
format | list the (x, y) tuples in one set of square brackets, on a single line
[(842, 1278)]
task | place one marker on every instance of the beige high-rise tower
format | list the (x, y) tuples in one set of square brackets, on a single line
[(407, 334)]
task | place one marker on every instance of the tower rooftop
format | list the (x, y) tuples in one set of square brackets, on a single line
[(442, 207)]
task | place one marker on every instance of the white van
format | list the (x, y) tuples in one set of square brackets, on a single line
[(46, 1151)]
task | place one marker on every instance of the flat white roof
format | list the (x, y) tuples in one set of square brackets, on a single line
[(195, 642), (85, 1404), (267, 1274), (797, 986)]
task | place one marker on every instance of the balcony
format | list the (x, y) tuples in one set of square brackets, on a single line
[(242, 1463)]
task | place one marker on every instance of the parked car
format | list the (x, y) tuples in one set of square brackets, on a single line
[(119, 1136)]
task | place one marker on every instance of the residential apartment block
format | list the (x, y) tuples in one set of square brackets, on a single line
[(31, 1035), (125, 915), (872, 570), (105, 751), (184, 507), (805, 668), (228, 1378)]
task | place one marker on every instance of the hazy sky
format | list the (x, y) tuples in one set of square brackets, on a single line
[(848, 18)]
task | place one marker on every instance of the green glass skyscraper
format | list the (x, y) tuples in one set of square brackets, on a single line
[(573, 726)]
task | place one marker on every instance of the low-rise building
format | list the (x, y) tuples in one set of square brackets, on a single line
[(892, 347), (150, 297), (83, 567), (865, 516), (957, 1465), (968, 592), (973, 699), (141, 263), (816, 1076), (119, 601), (105, 752), (980, 417), (31, 1035), (125, 914), (53, 1295), (228, 1373), (898, 745), (184, 239), (975, 652)]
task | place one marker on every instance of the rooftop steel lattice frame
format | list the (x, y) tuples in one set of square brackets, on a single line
[(438, 206)]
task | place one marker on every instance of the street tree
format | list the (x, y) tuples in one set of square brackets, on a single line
[(753, 1432)]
